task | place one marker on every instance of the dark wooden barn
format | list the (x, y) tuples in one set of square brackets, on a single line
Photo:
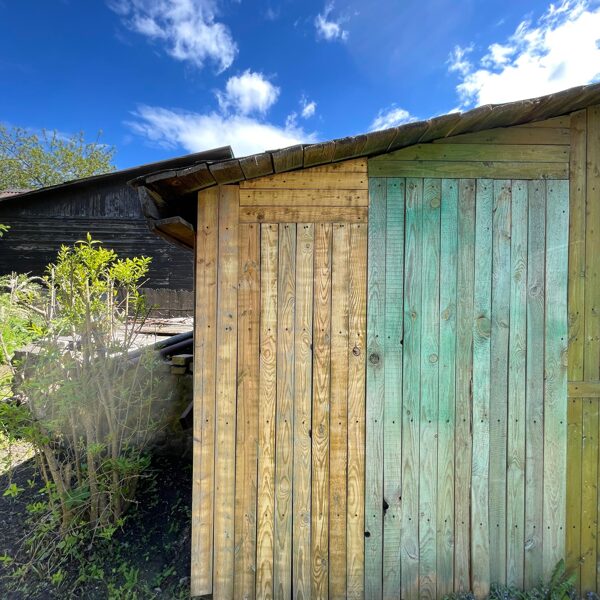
[(41, 220)]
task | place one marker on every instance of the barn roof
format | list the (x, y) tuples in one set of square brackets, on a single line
[(178, 183)]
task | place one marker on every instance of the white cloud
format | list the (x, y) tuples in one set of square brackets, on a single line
[(391, 117), (187, 28), (560, 50), (247, 93), (308, 108), (195, 132), (328, 28)]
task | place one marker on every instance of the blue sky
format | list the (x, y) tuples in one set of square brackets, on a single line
[(163, 78)]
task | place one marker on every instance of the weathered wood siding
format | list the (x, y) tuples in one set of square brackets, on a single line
[(109, 210), (583, 539), (278, 496)]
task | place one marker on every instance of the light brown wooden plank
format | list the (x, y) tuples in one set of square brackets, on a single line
[(266, 412), (302, 411), (480, 152), (469, 169), (356, 412), (297, 198), (355, 165), (321, 403), (226, 393), (338, 435), (584, 389), (308, 179), (205, 344), (304, 214), (513, 135), (562, 121), (286, 298), (247, 411), (577, 227)]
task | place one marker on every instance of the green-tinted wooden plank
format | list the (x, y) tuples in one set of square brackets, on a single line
[(482, 305), (499, 377), (555, 371), (428, 451), (447, 387), (411, 388), (375, 389), (464, 371), (534, 451), (574, 490), (515, 477), (589, 495), (392, 490)]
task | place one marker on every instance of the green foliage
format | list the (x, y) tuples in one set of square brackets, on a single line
[(560, 587), (29, 160), (3, 229)]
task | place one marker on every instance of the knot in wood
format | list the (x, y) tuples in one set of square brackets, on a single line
[(374, 358), (356, 351)]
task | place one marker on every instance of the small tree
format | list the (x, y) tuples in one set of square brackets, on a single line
[(29, 160)]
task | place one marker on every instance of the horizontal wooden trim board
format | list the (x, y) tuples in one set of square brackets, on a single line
[(306, 180), (562, 121), (304, 197), (469, 169), (584, 389), (481, 152), (304, 214), (559, 136)]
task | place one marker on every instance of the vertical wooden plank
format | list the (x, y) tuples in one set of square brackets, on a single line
[(205, 343), (267, 395), (555, 374), (577, 209), (392, 445), (286, 298), (338, 436), (302, 411), (447, 387), (499, 377), (375, 389), (534, 450), (411, 388), (464, 371), (592, 249), (515, 477), (226, 392), (356, 412), (589, 495), (321, 404), (429, 389), (574, 489), (247, 411), (480, 544)]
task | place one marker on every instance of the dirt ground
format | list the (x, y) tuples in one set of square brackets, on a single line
[(149, 558)]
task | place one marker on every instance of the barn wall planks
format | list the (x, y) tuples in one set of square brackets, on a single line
[(456, 325)]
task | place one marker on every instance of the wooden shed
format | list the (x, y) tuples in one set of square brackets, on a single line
[(397, 356)]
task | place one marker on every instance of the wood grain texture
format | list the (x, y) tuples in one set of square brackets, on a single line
[(286, 297), (480, 540), (534, 450), (266, 414), (301, 568), (226, 394), (375, 390), (205, 342), (584, 389), (392, 428), (247, 411), (356, 412), (310, 179), (304, 197), (303, 214), (447, 387), (320, 411), (515, 476), (411, 388), (428, 447), (338, 435), (555, 374), (521, 134), (464, 371)]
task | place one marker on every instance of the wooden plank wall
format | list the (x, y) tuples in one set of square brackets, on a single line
[(583, 539), (278, 493), (456, 327)]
